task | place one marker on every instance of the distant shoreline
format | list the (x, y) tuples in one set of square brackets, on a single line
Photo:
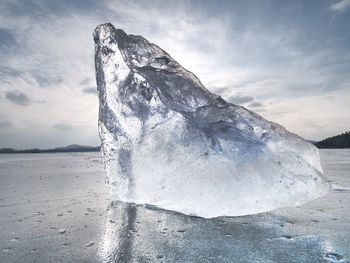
[(79, 148), (341, 141), (68, 149)]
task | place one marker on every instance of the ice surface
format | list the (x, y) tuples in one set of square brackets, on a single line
[(35, 188), (170, 142)]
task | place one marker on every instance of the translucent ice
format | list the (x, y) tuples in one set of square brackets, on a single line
[(170, 142)]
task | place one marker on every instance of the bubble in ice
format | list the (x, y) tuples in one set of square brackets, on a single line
[(90, 243)]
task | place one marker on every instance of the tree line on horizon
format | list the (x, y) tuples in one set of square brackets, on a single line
[(340, 141)]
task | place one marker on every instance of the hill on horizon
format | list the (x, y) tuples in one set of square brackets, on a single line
[(69, 148)]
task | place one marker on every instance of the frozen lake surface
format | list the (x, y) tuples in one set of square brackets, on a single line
[(56, 208)]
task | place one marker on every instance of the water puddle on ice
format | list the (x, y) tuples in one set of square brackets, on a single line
[(61, 231)]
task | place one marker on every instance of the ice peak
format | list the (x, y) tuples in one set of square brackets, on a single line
[(107, 33)]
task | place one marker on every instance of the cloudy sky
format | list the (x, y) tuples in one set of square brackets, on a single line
[(287, 60)]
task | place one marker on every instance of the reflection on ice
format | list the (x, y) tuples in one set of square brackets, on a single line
[(136, 233), (116, 245)]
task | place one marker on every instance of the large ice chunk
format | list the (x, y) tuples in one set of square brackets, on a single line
[(170, 142)]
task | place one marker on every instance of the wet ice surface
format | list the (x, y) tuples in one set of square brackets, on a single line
[(55, 208)]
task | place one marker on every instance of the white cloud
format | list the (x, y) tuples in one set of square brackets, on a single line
[(313, 117), (52, 63), (340, 6)]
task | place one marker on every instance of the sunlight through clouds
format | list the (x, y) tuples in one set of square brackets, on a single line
[(261, 58)]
